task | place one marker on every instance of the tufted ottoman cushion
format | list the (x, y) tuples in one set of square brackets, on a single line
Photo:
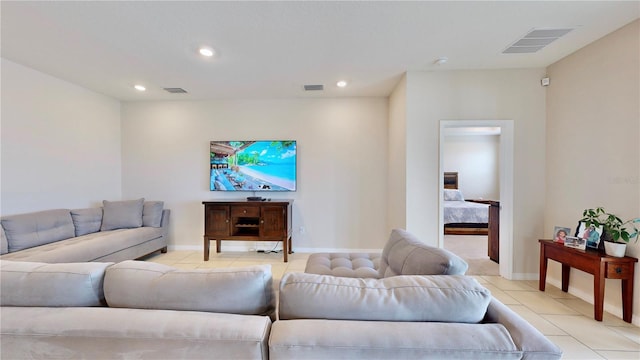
[(353, 265)]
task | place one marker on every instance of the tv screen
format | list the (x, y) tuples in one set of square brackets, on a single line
[(253, 165)]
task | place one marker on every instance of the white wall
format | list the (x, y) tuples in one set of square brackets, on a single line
[(475, 158), (476, 95), (593, 159), (397, 168), (342, 163), (60, 143)]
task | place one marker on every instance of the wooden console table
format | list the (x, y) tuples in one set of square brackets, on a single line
[(247, 221), (593, 262)]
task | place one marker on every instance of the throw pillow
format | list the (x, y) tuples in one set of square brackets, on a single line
[(152, 213), (87, 221), (453, 195), (122, 214)]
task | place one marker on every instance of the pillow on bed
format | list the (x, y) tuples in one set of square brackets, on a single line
[(453, 195)]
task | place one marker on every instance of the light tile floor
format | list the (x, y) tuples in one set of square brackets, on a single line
[(563, 318)]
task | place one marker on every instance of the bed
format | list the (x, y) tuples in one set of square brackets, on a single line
[(459, 211), (471, 217)]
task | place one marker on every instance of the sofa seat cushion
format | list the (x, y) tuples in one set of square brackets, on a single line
[(88, 247), (146, 285), (110, 333), (40, 284), (358, 265), (451, 298), (343, 339), (405, 254), (25, 231)]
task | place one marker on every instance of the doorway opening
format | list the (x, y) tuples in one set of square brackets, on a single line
[(504, 177)]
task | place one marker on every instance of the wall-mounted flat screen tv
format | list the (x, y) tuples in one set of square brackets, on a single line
[(253, 165)]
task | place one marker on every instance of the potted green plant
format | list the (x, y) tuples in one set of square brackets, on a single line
[(616, 233)]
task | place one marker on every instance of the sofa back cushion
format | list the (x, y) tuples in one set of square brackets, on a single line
[(451, 298), (152, 213), (51, 285), (146, 285), (4, 245), (404, 254), (38, 228), (122, 214), (86, 221)]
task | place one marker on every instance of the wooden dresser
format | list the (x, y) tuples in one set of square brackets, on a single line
[(242, 220)]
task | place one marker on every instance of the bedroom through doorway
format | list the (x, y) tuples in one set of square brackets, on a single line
[(474, 226)]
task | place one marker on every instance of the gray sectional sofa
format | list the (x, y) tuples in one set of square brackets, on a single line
[(143, 310), (117, 231)]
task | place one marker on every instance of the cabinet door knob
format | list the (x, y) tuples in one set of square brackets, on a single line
[(227, 220), (618, 270), (244, 211), (261, 221)]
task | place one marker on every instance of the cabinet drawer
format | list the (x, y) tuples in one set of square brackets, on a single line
[(618, 271), (245, 211)]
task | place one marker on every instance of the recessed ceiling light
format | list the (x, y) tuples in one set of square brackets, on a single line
[(206, 51), (140, 88), (441, 60), (341, 83)]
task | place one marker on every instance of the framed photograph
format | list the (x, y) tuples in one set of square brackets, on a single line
[(560, 233), (575, 242), (589, 233)]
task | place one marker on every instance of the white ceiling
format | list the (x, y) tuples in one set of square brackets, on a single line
[(271, 49)]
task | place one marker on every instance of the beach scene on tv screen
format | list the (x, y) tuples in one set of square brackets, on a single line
[(253, 165)]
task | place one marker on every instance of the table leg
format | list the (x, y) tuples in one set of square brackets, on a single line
[(285, 249), (627, 298), (543, 269), (206, 248), (566, 271), (598, 292)]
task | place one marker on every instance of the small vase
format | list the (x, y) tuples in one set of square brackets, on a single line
[(615, 249)]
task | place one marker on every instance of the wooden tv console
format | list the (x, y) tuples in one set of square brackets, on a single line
[(242, 220)]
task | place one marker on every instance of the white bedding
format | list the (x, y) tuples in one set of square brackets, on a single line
[(458, 211), (465, 212)]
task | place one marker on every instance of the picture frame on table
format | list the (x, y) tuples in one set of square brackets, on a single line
[(575, 242), (560, 233), (590, 233)]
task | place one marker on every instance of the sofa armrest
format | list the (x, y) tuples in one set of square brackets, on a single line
[(526, 337), (164, 224)]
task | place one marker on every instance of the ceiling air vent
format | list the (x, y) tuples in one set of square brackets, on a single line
[(535, 40), (176, 90), (313, 87)]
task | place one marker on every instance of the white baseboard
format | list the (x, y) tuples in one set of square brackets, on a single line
[(246, 246), (525, 276)]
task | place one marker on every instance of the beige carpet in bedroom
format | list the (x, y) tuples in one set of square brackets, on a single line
[(473, 249)]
